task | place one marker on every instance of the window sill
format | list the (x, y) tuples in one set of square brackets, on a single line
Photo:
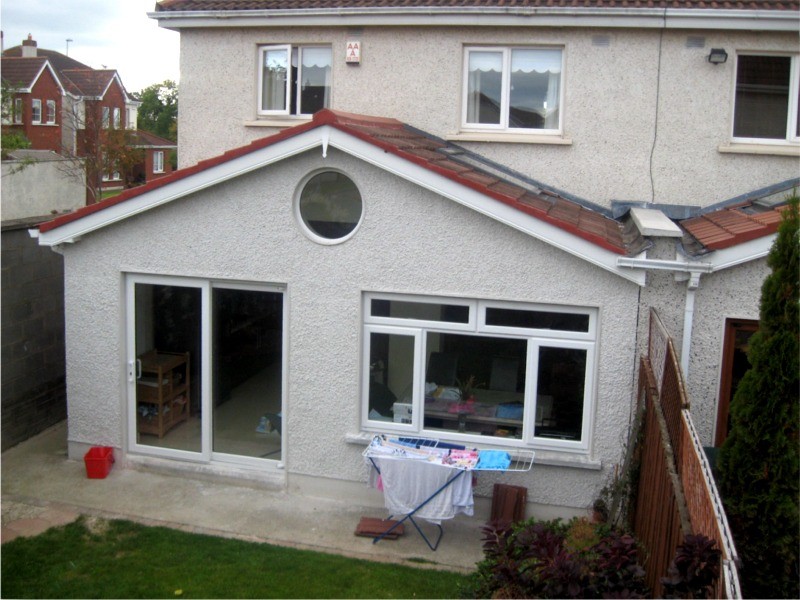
[(543, 457), (761, 149), (509, 138), (278, 122)]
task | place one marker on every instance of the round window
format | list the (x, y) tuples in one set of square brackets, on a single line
[(330, 206)]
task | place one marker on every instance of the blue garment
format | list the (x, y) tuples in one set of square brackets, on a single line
[(496, 460)]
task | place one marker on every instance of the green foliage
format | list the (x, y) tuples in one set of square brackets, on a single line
[(759, 464), (552, 559), (13, 140), (120, 559), (158, 112)]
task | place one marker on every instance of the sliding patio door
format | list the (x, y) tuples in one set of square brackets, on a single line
[(205, 370)]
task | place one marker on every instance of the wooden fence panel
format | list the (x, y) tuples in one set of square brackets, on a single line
[(676, 492)]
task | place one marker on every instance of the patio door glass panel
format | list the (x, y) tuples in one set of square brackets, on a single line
[(247, 358), (167, 366)]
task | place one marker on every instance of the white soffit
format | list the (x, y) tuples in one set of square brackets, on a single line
[(326, 136), (190, 184), (741, 253)]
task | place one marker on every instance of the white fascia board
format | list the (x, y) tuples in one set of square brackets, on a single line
[(741, 253), (74, 230), (650, 18), (495, 209)]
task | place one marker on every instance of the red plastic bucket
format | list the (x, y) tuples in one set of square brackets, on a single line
[(98, 461)]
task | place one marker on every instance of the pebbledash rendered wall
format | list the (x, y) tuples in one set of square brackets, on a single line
[(647, 116), (410, 241), (732, 293)]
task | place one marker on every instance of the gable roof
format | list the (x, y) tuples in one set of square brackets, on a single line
[(559, 219), (58, 60), (92, 83), (442, 167), (21, 74)]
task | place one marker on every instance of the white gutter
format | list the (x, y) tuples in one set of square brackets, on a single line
[(646, 18)]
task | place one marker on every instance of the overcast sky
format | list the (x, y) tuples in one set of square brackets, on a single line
[(112, 34)]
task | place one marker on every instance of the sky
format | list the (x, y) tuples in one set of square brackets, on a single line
[(111, 34)]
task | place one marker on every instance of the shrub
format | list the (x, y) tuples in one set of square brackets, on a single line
[(552, 559), (694, 570), (759, 464)]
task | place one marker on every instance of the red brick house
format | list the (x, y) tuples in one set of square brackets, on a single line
[(36, 108), (62, 105)]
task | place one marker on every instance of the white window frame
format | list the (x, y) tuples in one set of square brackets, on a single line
[(536, 339), (18, 111), (290, 94), (158, 161), (794, 85), (106, 111), (117, 118), (503, 127), (206, 287), (36, 111), (51, 112)]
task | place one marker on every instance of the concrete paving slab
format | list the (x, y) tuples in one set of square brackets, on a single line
[(39, 483)]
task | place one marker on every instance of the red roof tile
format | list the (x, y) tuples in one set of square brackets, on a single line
[(731, 225), (429, 152), (241, 5), (21, 73)]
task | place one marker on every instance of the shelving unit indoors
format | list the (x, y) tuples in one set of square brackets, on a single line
[(162, 391)]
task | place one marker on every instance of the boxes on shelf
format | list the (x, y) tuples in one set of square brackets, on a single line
[(402, 412)]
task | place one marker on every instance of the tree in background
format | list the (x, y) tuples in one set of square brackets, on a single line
[(158, 112), (11, 140), (759, 464)]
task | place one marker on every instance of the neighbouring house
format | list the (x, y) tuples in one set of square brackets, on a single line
[(157, 161), (377, 201), (67, 107)]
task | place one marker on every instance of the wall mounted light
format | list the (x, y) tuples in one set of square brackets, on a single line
[(717, 56)]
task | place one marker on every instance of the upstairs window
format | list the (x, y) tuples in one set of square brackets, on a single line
[(36, 111), (766, 102), (106, 117), (51, 112), (513, 89), (18, 110), (117, 121), (294, 80)]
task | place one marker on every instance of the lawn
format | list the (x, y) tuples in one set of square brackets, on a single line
[(120, 559)]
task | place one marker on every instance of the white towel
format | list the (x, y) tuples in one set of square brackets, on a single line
[(409, 483)]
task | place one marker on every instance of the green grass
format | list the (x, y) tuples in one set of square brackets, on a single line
[(120, 559)]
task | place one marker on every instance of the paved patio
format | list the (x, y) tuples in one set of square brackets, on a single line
[(42, 488)]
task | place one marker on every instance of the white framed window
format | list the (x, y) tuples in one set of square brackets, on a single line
[(532, 368), (158, 161), (36, 111), (328, 207), (18, 110), (130, 117), (513, 89), (766, 106), (51, 112), (106, 117), (294, 80), (117, 118)]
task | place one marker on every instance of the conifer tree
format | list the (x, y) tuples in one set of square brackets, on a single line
[(759, 464)]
